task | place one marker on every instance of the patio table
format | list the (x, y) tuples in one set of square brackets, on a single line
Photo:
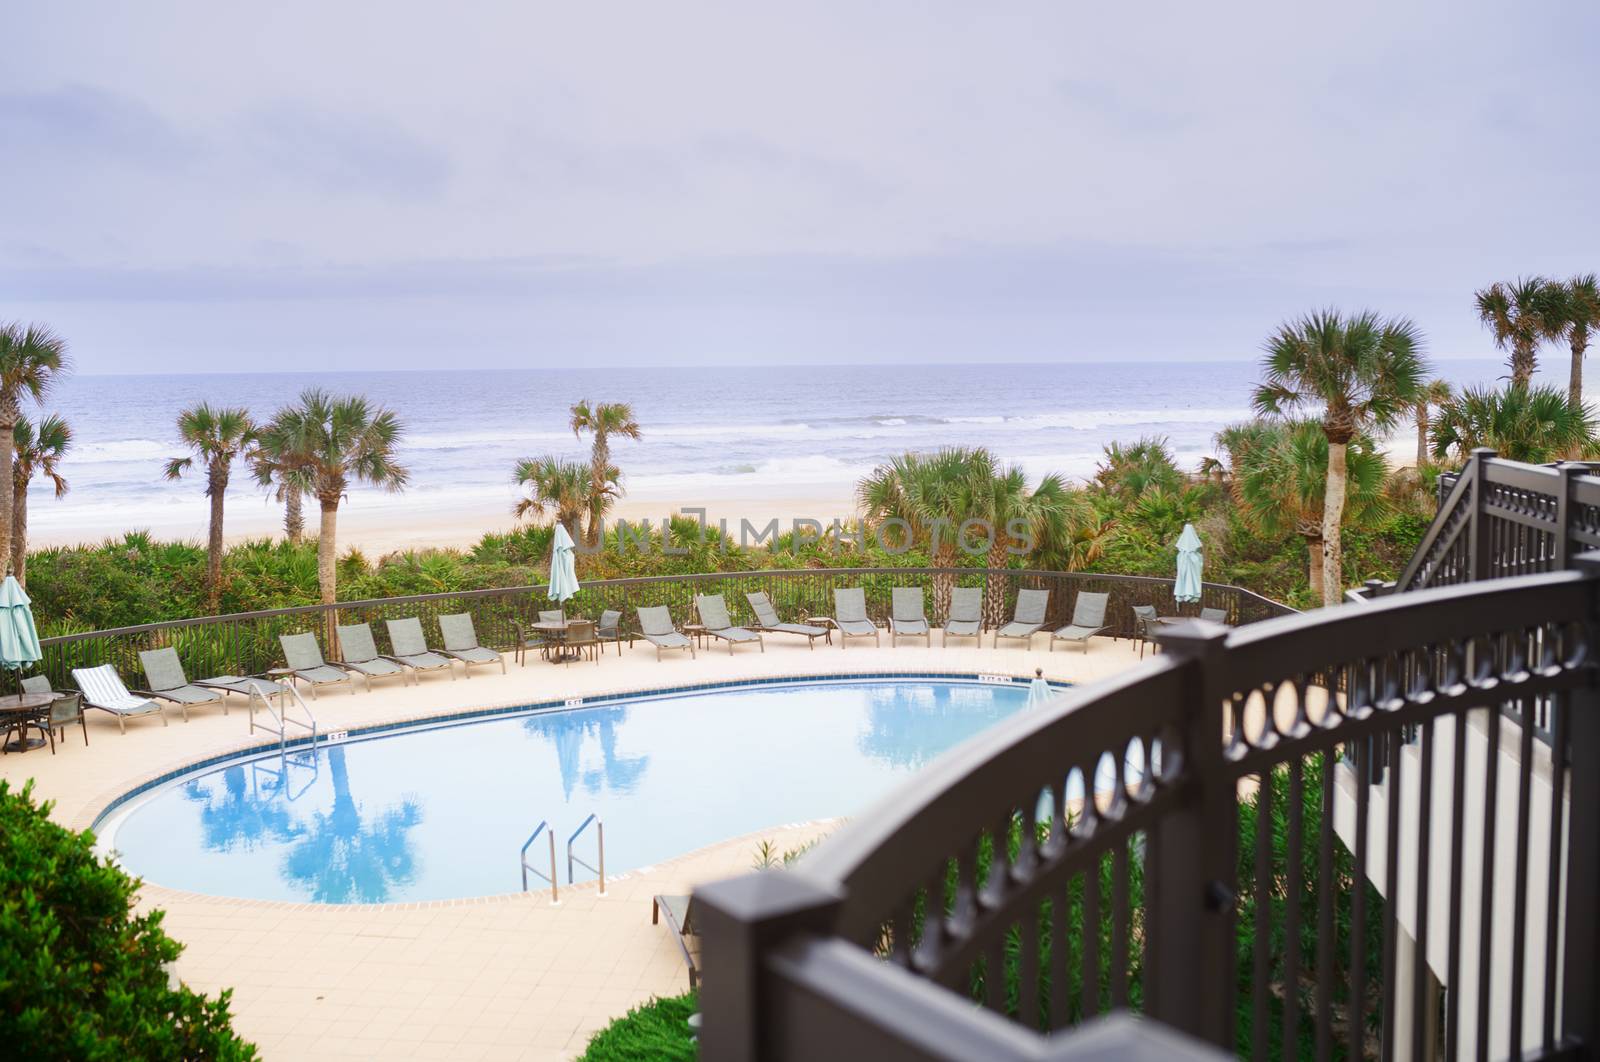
[(19, 713), (554, 649)]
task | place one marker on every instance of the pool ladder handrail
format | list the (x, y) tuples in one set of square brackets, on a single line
[(600, 836), (256, 693), (543, 827)]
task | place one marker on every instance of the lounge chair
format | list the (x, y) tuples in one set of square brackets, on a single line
[(850, 616), (66, 709), (1088, 620), (679, 911), (655, 624), (767, 620), (360, 653), (906, 616), (1215, 615), (302, 658), (1028, 619), (965, 618), (461, 642), (609, 629), (163, 671), (713, 611), (103, 689), (410, 647)]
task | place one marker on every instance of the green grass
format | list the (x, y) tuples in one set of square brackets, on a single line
[(652, 1031)]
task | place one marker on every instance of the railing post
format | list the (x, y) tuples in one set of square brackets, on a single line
[(1580, 995), (740, 920), (1191, 970), (1477, 533), (1562, 555)]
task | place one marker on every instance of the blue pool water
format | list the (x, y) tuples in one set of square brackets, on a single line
[(440, 812)]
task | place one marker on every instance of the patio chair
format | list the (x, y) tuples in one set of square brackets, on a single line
[(906, 616), (1215, 615), (713, 612), (302, 658), (103, 689), (1088, 620), (1144, 624), (767, 620), (163, 672), (965, 618), (1028, 620), (461, 642), (410, 647), (555, 615), (527, 641), (65, 710), (679, 912), (850, 616), (609, 629), (360, 653), (655, 625), (580, 639)]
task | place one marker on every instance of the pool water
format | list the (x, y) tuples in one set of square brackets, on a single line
[(440, 812)]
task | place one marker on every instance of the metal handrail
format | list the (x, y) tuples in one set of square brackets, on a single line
[(283, 719), (600, 833), (543, 827)]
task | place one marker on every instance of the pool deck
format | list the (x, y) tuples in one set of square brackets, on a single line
[(507, 977)]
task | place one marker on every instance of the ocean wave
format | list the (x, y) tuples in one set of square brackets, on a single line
[(114, 451)]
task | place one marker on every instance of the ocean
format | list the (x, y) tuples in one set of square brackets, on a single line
[(719, 433)]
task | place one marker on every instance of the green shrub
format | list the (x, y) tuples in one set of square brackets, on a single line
[(656, 1031), (81, 976)]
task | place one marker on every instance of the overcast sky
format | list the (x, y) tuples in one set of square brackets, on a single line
[(288, 185)]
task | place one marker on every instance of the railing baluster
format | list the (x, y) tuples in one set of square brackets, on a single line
[(1119, 925), (1392, 789), (1294, 869), (1089, 986), (1491, 777), (1357, 1008), (1261, 982), (1325, 892), (1555, 861)]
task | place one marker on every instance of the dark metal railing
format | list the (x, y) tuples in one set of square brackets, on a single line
[(1189, 841), (247, 643)]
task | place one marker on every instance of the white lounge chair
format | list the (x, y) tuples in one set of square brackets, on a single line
[(1029, 617), (655, 626), (906, 616), (302, 657), (461, 642), (103, 689), (411, 647), (768, 620), (1088, 620), (850, 616), (714, 618), (965, 619)]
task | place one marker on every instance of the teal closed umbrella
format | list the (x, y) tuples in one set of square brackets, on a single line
[(1186, 587), (563, 567), (19, 639)]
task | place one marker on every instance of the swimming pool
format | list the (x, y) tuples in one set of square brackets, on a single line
[(439, 812)]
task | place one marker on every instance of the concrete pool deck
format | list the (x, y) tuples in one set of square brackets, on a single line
[(507, 977)]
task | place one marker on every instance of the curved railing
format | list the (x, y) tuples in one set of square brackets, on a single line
[(1201, 840), (247, 643)]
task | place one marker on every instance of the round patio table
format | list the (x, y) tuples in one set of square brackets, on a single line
[(553, 650), (16, 713)]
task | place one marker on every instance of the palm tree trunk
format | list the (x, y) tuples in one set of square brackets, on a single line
[(995, 586), (599, 462), (217, 489), (1333, 524), (9, 412), (1422, 434), (294, 516), (943, 580), (1314, 556), (1580, 341), (19, 531), (1522, 363), (327, 545)]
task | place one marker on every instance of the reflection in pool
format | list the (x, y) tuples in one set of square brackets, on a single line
[(440, 812)]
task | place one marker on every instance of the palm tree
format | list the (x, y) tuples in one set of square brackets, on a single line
[(32, 358), (1281, 477), (1046, 513), (272, 460), (1578, 303), (215, 435), (603, 420), (1127, 470), (332, 441), (934, 494), (1521, 314), (38, 452), (1435, 392), (1364, 373), (1520, 423), (562, 487)]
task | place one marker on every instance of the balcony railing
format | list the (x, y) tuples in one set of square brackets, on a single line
[(1187, 842), (247, 643)]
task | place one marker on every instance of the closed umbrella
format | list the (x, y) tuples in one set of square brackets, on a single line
[(19, 639), (563, 567), (1186, 587), (1039, 691)]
